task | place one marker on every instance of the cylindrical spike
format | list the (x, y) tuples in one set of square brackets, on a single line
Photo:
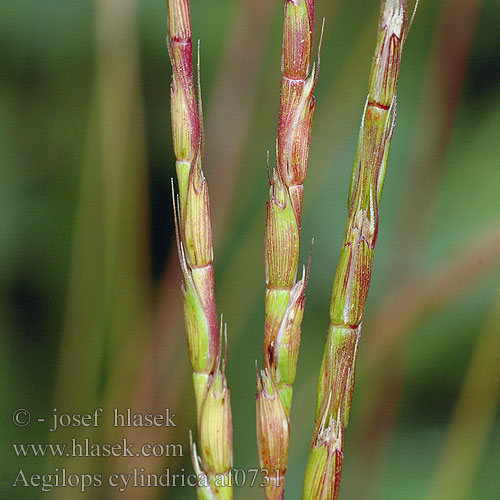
[(353, 275)]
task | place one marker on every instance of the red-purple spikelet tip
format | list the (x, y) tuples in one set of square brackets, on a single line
[(297, 38), (186, 127), (179, 20), (387, 59)]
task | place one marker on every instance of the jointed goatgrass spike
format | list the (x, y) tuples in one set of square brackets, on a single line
[(194, 245), (285, 298), (352, 278)]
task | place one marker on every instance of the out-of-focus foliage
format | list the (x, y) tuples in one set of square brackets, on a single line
[(90, 310)]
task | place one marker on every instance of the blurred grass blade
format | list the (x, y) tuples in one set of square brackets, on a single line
[(473, 419), (109, 301)]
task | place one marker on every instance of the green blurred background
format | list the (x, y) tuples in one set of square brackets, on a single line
[(90, 310)]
